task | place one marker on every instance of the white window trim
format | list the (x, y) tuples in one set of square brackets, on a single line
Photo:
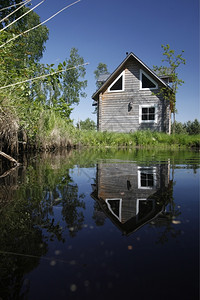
[(120, 208), (150, 78), (153, 169), (123, 82), (148, 106)]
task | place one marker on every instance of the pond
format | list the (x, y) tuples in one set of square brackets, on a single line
[(100, 225)]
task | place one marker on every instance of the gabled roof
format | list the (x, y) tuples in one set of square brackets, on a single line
[(112, 76), (133, 223)]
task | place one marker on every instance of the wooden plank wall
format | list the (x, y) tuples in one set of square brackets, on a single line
[(113, 112), (112, 183)]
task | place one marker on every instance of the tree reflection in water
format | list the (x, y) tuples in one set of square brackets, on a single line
[(27, 200)]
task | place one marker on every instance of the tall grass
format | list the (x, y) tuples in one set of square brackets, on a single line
[(144, 139), (53, 132), (46, 130)]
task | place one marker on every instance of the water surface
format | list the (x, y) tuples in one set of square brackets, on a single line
[(100, 225)]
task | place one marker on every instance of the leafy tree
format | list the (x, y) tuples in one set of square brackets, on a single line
[(8, 6), (189, 127), (72, 85), (102, 69), (173, 62), (32, 44), (179, 128), (37, 105), (193, 127), (29, 46), (88, 124)]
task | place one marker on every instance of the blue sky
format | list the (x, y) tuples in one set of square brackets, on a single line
[(103, 31)]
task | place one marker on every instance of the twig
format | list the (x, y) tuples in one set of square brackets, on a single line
[(11, 6), (15, 37), (6, 17), (8, 172), (11, 159), (22, 15), (43, 76)]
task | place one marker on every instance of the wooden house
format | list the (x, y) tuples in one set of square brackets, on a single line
[(131, 195), (129, 100)]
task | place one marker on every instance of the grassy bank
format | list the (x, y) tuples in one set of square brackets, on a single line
[(45, 130), (144, 139)]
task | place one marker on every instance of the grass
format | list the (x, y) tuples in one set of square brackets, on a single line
[(45, 130), (144, 139)]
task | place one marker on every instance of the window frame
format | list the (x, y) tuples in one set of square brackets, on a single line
[(123, 82), (110, 208), (148, 121), (150, 78), (151, 170)]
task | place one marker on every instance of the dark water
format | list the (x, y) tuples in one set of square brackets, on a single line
[(101, 225)]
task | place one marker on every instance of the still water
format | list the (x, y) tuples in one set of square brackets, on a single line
[(100, 225)]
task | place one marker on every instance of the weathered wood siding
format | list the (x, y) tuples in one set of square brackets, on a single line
[(121, 180), (113, 114)]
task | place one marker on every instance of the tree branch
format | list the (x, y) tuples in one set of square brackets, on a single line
[(11, 159)]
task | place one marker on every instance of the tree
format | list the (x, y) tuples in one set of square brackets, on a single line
[(88, 124), (32, 44), (193, 127), (72, 85), (173, 62), (19, 61), (29, 46), (102, 69), (8, 6), (179, 128)]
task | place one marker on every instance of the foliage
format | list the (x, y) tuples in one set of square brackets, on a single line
[(101, 70), (189, 127), (88, 124), (29, 217), (193, 127), (29, 46), (179, 128), (36, 112), (7, 7), (72, 86), (173, 62), (143, 139)]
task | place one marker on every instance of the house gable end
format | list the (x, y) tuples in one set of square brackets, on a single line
[(111, 80)]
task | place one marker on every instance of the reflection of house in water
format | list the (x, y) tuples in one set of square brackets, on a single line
[(129, 194)]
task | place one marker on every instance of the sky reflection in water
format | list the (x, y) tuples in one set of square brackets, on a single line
[(102, 226)]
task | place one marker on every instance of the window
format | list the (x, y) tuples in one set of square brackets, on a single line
[(115, 206), (144, 208), (147, 114), (146, 82), (146, 178), (118, 84)]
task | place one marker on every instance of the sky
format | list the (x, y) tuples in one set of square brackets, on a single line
[(103, 31)]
